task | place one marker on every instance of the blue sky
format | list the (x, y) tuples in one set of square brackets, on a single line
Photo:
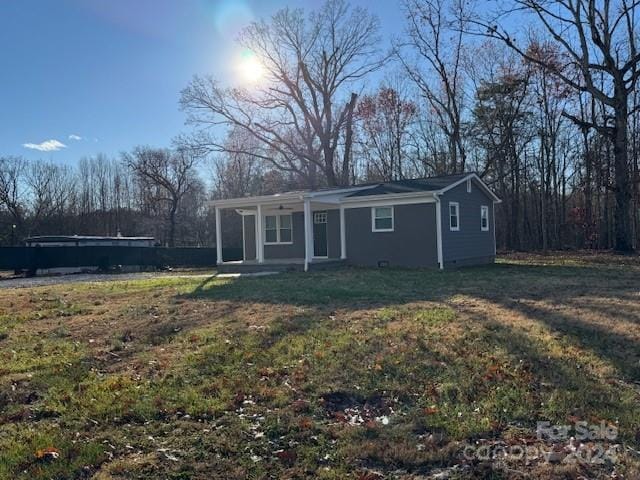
[(101, 76)]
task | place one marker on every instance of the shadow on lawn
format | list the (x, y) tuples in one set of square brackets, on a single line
[(511, 287), (357, 288), (621, 350)]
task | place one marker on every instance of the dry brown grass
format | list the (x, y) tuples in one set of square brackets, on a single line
[(348, 374)]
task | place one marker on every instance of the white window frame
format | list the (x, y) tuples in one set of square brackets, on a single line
[(277, 215), (320, 217), (468, 185), (373, 219), (484, 209), (457, 227)]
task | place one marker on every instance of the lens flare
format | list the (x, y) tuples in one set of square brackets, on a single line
[(250, 70)]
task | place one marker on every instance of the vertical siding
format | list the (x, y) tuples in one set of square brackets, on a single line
[(413, 243), (470, 244)]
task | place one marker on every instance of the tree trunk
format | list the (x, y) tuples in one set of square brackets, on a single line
[(348, 140), (623, 230), (172, 224)]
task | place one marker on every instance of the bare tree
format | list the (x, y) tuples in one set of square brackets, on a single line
[(301, 113), (599, 39), (435, 38), (12, 188), (166, 177), (52, 188), (385, 119)]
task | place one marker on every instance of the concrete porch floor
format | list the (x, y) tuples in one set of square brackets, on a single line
[(278, 265)]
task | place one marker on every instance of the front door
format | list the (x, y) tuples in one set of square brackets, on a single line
[(319, 234)]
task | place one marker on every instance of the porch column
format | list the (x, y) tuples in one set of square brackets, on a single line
[(308, 234), (218, 237), (259, 233), (343, 235)]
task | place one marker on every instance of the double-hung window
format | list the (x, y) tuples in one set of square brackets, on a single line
[(484, 218), (277, 229), (382, 219), (454, 216)]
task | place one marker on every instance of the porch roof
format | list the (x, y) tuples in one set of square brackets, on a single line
[(429, 186)]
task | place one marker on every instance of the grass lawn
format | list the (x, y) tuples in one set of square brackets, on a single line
[(360, 374)]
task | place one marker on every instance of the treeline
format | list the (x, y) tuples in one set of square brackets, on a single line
[(148, 192), (540, 99)]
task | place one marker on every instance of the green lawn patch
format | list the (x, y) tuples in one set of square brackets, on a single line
[(355, 373)]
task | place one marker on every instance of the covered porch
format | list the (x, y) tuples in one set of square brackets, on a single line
[(290, 231)]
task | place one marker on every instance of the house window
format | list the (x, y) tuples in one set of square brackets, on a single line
[(277, 229), (382, 219), (285, 229), (484, 218), (454, 217), (320, 217), (469, 185)]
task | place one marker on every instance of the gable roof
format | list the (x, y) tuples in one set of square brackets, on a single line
[(430, 186), (433, 185)]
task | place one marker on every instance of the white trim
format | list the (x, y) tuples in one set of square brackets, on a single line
[(259, 242), (439, 232), (244, 240), (343, 235), (277, 215), (337, 196), (484, 208), (321, 213), (386, 202), (278, 198), (395, 198), (308, 236), (373, 219), (288, 197), (487, 190), (493, 214), (457, 227), (218, 237)]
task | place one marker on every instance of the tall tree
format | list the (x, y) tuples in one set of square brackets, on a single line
[(600, 39), (301, 111), (385, 119), (12, 189), (432, 57), (165, 177)]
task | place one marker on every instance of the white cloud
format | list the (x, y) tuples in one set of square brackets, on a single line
[(46, 146), (73, 136)]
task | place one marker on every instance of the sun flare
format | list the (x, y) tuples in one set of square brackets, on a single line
[(250, 69)]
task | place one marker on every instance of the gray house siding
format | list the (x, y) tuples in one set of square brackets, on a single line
[(249, 231), (296, 249), (413, 243), (333, 233), (470, 245), (293, 250)]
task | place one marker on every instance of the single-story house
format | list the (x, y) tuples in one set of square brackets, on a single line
[(427, 222)]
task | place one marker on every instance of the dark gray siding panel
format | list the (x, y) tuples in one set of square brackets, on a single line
[(413, 242), (333, 232), (294, 250), (249, 237), (470, 244)]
